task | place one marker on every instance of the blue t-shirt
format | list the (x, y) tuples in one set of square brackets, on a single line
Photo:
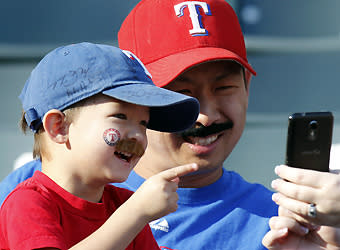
[(16, 177), (228, 214)]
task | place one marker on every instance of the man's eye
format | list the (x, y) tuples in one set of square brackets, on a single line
[(184, 91), (120, 116), (226, 87)]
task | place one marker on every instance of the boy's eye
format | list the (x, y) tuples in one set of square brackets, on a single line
[(124, 117), (120, 116)]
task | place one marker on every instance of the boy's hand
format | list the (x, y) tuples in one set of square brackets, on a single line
[(157, 196)]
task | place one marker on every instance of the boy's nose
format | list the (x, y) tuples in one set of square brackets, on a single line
[(138, 134)]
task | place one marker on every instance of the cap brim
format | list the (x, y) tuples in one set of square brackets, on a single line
[(169, 111), (162, 73)]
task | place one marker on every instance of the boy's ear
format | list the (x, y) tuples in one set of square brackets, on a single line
[(55, 126)]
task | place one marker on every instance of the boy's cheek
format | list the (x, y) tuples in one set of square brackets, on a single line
[(111, 136)]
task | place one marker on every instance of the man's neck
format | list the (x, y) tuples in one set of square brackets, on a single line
[(194, 180)]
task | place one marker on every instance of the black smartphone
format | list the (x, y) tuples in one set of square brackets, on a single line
[(309, 140)]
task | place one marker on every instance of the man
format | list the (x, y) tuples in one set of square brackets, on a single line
[(197, 48)]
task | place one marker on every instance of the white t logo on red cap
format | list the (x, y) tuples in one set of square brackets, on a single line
[(195, 16)]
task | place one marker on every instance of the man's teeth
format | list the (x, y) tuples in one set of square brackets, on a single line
[(203, 141)]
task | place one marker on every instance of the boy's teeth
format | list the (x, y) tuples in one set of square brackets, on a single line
[(203, 141), (125, 154)]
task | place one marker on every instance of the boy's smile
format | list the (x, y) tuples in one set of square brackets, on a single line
[(127, 149)]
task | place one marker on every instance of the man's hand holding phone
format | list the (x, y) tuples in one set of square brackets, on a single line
[(294, 228), (298, 188), (308, 194), (306, 189)]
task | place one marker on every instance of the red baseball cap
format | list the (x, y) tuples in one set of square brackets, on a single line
[(170, 36)]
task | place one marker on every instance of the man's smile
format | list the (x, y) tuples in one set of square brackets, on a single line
[(202, 141)]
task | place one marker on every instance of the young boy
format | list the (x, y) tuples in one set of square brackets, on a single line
[(89, 106)]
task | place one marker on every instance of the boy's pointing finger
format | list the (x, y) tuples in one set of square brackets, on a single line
[(179, 171)]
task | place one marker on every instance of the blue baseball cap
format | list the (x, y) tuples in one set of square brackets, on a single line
[(74, 72)]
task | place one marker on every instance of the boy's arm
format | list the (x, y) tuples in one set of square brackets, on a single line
[(154, 199)]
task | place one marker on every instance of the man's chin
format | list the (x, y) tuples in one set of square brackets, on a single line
[(204, 176)]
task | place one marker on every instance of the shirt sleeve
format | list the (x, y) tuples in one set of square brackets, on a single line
[(145, 240), (29, 220), (16, 177)]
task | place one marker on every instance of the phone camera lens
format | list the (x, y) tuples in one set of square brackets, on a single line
[(313, 125), (312, 132)]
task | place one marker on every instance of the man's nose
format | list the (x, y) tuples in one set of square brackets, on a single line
[(209, 111)]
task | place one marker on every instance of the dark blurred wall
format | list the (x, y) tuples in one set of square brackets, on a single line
[(62, 21)]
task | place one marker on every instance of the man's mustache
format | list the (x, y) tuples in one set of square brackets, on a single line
[(203, 131), (130, 146)]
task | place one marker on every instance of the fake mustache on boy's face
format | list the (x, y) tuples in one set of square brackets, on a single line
[(203, 131), (130, 146)]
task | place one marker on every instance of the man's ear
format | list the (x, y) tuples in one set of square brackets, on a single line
[(248, 77), (55, 126)]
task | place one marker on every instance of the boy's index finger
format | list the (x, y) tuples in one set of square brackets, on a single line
[(179, 171)]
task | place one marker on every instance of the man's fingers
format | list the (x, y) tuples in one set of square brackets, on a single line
[(303, 177), (176, 172), (304, 224), (274, 237), (295, 191), (280, 222)]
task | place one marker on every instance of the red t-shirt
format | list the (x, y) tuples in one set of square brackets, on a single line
[(39, 213)]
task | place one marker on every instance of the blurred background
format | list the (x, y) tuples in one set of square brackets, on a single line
[(293, 45)]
